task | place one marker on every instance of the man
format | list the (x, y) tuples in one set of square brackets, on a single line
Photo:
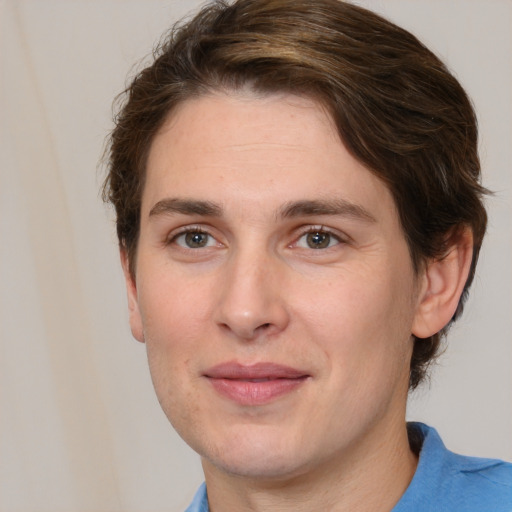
[(298, 201)]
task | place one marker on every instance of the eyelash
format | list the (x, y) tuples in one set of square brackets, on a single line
[(340, 239), (200, 230)]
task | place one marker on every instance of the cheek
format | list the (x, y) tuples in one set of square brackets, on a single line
[(170, 343), (363, 325), (174, 307), (174, 321)]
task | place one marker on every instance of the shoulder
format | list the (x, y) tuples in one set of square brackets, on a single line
[(487, 482), (447, 481)]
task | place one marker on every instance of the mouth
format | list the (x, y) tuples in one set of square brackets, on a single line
[(256, 384)]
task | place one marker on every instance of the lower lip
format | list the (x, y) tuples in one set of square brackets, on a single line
[(246, 392)]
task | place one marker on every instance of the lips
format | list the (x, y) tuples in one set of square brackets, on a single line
[(256, 384)]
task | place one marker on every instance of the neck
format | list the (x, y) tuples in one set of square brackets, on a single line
[(372, 477)]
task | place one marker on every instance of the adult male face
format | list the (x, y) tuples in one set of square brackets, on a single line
[(275, 292)]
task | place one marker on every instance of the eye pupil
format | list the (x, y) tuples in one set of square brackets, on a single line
[(196, 239), (318, 240)]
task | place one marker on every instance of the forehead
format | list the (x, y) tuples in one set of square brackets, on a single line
[(263, 149), (250, 119)]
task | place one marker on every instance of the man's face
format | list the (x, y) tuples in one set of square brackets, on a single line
[(274, 287)]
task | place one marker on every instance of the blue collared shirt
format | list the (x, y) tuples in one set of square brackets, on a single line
[(443, 482)]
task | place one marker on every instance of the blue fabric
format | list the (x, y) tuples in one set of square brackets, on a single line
[(443, 482), (200, 501)]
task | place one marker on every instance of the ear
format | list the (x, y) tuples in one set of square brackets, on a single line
[(133, 301), (442, 284)]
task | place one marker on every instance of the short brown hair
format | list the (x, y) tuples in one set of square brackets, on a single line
[(397, 108)]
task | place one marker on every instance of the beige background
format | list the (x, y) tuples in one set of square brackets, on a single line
[(80, 429)]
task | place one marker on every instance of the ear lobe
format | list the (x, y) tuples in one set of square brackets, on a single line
[(133, 302), (443, 283)]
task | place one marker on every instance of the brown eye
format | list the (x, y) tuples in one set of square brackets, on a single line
[(194, 240), (318, 240)]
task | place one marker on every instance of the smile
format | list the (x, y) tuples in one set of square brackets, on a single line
[(254, 384)]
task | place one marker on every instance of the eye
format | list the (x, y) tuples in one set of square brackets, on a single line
[(194, 239), (317, 239)]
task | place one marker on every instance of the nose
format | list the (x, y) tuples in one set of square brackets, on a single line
[(251, 300)]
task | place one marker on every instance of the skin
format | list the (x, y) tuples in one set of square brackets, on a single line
[(254, 290)]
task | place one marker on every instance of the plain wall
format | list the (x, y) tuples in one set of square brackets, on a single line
[(80, 427)]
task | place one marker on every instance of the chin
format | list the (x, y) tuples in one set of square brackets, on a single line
[(258, 466), (255, 455)]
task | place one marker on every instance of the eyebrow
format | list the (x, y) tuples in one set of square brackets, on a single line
[(303, 208), (171, 206), (326, 207)]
